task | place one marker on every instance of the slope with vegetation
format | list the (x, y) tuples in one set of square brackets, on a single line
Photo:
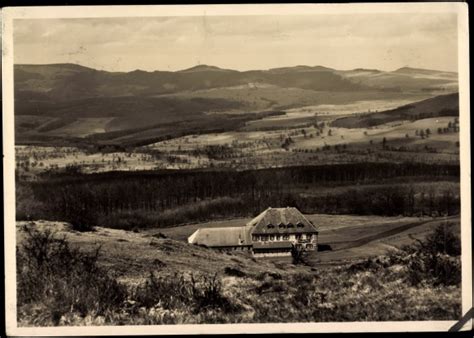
[(443, 105), (417, 282), (54, 102)]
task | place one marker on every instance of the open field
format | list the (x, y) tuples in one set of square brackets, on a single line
[(252, 140), (84, 127), (302, 116), (359, 242)]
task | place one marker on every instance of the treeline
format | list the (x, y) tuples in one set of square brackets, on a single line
[(165, 198)]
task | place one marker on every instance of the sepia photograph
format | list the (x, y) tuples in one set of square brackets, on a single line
[(237, 168)]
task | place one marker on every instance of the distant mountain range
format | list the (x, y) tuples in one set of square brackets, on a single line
[(55, 99), (70, 81)]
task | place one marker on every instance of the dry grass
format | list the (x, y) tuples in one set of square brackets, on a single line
[(169, 282)]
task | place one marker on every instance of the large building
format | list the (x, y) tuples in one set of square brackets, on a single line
[(272, 233)]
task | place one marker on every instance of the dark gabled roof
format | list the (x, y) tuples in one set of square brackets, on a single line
[(272, 245), (281, 221), (221, 237)]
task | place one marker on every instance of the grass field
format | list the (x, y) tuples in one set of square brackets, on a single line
[(83, 127), (301, 116)]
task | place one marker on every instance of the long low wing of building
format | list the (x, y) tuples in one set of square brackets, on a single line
[(234, 238)]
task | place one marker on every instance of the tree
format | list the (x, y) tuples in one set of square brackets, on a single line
[(299, 254)]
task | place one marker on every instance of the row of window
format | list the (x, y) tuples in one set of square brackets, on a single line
[(283, 226), (285, 237)]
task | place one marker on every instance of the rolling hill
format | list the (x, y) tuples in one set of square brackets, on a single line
[(61, 100), (443, 105)]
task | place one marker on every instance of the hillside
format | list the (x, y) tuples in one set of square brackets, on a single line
[(65, 81), (141, 279), (443, 105), (64, 100), (70, 81)]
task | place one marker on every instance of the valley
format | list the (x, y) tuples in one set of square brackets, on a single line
[(115, 171)]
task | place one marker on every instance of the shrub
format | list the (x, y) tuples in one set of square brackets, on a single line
[(262, 276), (230, 271), (178, 292), (207, 293), (80, 218), (169, 292), (436, 259), (298, 253), (61, 280), (443, 240)]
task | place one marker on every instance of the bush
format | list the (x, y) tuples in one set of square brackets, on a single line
[(207, 293), (80, 218), (177, 292), (443, 240), (168, 292), (436, 259), (62, 281), (299, 254), (230, 271)]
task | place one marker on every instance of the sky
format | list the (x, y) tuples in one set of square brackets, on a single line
[(343, 41)]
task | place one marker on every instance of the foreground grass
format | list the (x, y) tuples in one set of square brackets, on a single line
[(59, 285)]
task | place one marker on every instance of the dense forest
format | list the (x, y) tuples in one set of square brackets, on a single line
[(164, 198)]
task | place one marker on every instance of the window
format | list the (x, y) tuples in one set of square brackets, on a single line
[(286, 237), (281, 226), (290, 225), (272, 237), (277, 237), (270, 226), (309, 246), (298, 236), (309, 236), (263, 238), (300, 225), (255, 238)]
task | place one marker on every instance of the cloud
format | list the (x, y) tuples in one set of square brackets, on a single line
[(241, 42)]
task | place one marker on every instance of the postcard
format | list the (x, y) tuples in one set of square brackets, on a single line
[(237, 169)]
